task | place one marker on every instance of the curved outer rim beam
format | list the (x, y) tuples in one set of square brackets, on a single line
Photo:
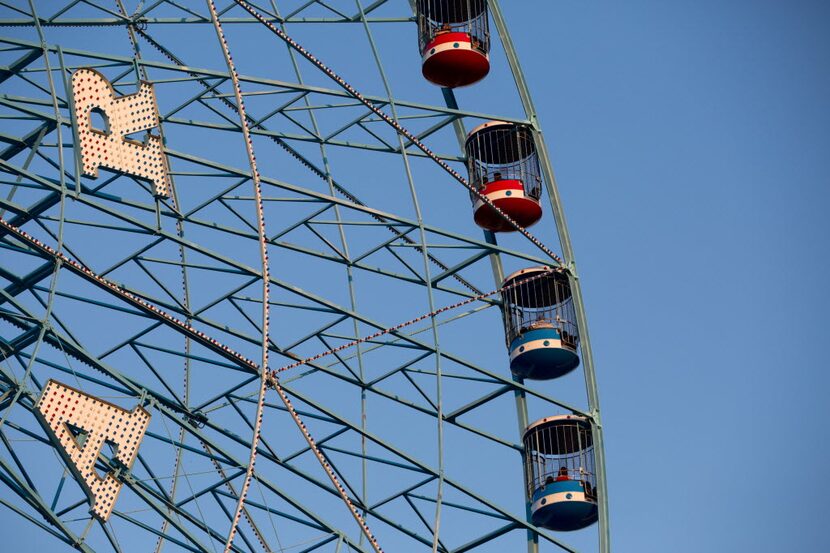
[(262, 240), (568, 254)]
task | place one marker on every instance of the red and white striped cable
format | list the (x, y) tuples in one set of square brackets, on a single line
[(395, 125), (266, 277), (520, 282)]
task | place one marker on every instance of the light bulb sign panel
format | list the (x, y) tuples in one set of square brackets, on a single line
[(110, 147), (94, 437)]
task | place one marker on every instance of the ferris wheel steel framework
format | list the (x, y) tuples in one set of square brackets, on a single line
[(36, 330)]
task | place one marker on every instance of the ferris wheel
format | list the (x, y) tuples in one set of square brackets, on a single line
[(285, 276)]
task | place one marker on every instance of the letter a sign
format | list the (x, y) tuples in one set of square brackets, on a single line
[(81, 425), (109, 147)]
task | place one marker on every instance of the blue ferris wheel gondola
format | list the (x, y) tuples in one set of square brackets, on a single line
[(559, 459), (542, 354), (539, 321), (563, 506)]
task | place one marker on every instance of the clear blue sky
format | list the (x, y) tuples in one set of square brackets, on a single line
[(691, 142), (692, 145)]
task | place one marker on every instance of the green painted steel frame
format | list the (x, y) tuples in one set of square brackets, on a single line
[(33, 331)]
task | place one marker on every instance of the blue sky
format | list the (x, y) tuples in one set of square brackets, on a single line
[(691, 146)]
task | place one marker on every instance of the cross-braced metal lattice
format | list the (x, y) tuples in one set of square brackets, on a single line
[(142, 296)]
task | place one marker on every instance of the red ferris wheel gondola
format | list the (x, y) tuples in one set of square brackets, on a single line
[(504, 167), (455, 41)]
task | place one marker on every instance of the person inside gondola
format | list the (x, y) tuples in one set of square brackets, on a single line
[(589, 490), (541, 322), (563, 474)]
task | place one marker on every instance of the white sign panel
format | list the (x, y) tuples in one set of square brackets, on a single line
[(108, 147), (82, 425)]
